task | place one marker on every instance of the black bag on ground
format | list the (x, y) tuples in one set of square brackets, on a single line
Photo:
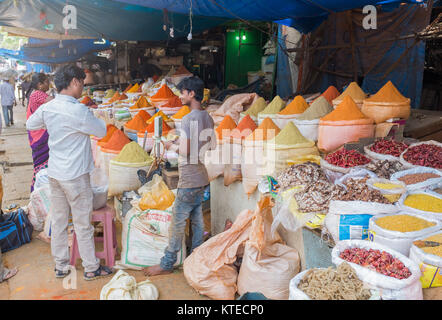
[(15, 230)]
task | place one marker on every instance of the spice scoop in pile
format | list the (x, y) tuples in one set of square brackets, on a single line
[(341, 283)]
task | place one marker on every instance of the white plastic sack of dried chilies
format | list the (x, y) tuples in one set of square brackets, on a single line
[(378, 156), (123, 286), (349, 220), (389, 288), (409, 165), (143, 241), (427, 214), (399, 241), (421, 185), (429, 264)]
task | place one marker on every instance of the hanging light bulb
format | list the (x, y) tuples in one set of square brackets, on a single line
[(75, 50), (189, 36), (60, 45), (171, 33)]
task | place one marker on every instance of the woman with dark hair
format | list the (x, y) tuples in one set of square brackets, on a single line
[(38, 139)]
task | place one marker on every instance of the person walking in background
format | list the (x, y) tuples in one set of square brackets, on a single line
[(8, 100), (38, 139), (70, 125)]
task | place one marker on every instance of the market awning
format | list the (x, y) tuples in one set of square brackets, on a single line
[(56, 51), (304, 15), (107, 19)]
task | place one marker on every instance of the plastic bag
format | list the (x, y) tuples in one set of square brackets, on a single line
[(268, 264), (41, 179), (39, 206), (123, 286), (429, 264), (156, 195), (209, 269), (390, 288), (400, 241)]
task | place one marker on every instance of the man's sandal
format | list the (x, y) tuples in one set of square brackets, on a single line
[(61, 274), (88, 276)]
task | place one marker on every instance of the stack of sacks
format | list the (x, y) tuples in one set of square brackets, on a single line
[(291, 112), (308, 121), (289, 143), (345, 124), (233, 106), (387, 103), (252, 160), (258, 106), (272, 109), (355, 92), (232, 149)]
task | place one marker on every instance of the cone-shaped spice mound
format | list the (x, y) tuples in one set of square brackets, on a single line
[(346, 110), (388, 93), (297, 106), (265, 131)]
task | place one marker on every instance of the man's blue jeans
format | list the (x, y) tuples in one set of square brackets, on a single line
[(188, 204), (7, 114)]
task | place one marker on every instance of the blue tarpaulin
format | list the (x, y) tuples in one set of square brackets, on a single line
[(37, 67), (49, 51), (304, 15)]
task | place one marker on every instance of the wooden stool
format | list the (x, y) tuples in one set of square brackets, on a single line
[(106, 216)]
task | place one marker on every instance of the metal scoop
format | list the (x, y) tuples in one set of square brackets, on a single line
[(423, 244)]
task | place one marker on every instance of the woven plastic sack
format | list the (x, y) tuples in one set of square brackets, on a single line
[(232, 153), (308, 128), (156, 195), (400, 241), (429, 264), (276, 156), (333, 134), (209, 269), (389, 288), (123, 176), (409, 165), (214, 162), (233, 106), (421, 185), (268, 264), (252, 165), (427, 214), (380, 112), (392, 195)]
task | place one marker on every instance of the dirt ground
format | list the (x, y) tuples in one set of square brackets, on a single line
[(35, 279)]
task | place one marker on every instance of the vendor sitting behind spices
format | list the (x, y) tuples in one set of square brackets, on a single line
[(69, 125), (196, 130)]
